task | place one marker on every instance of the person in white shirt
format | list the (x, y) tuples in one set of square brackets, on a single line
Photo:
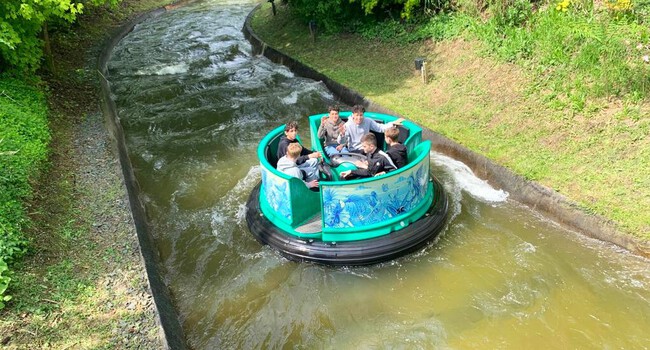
[(357, 126), (308, 161), (287, 164)]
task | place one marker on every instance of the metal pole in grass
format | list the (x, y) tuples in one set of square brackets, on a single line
[(272, 6), (421, 65), (425, 74), (312, 30)]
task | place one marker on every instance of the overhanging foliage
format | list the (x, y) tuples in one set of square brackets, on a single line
[(21, 25), (340, 15)]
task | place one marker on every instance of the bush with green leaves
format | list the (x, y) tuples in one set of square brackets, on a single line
[(439, 27), (22, 23), (641, 10), (333, 16), (513, 13), (4, 284), (24, 138)]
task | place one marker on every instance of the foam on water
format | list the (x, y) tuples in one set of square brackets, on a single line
[(232, 207), (291, 99), (467, 181), (284, 72), (179, 68)]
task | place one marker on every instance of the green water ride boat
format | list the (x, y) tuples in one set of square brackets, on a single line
[(348, 222)]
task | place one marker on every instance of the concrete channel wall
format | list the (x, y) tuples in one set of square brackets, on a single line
[(544, 200), (171, 331)]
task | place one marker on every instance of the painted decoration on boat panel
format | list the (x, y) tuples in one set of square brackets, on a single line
[(276, 192), (358, 205)]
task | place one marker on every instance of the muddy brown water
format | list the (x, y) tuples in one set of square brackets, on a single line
[(194, 104)]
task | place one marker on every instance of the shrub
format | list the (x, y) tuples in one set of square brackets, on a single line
[(334, 16), (331, 16), (641, 10), (23, 21), (24, 137), (511, 13), (4, 284)]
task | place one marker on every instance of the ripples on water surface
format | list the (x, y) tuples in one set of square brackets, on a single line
[(194, 104)]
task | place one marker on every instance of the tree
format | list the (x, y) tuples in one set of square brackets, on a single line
[(23, 22), (337, 15)]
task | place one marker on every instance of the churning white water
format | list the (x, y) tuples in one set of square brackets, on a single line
[(465, 179)]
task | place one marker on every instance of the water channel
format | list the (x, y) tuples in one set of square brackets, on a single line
[(194, 104)]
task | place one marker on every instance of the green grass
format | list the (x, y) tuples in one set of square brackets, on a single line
[(64, 299), (24, 136), (546, 101), (583, 56)]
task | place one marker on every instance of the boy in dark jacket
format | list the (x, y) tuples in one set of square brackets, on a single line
[(396, 151), (377, 162), (308, 160)]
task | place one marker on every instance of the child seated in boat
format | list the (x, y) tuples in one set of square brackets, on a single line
[(396, 151), (307, 160), (357, 126), (377, 162), (332, 129), (287, 165)]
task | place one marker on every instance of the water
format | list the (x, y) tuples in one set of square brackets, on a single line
[(194, 104)]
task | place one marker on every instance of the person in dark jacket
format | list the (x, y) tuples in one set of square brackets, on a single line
[(308, 160), (396, 151), (377, 162)]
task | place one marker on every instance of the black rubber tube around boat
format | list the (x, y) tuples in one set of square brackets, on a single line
[(354, 253)]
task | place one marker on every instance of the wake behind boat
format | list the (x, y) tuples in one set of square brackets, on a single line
[(348, 222)]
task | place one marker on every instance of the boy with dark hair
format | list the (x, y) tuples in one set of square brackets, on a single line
[(307, 160), (287, 164), (396, 151), (357, 126), (377, 162), (332, 129)]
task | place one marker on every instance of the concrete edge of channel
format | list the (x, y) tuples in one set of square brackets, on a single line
[(540, 198), (170, 329)]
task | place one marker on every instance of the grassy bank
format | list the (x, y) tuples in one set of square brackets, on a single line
[(560, 127), (24, 136), (81, 283)]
